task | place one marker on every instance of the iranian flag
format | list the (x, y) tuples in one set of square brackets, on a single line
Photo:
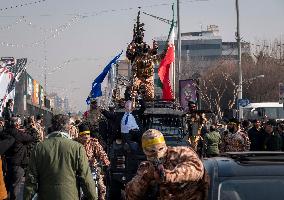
[(165, 65)]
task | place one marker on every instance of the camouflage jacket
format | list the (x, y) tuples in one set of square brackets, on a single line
[(235, 142), (93, 118), (35, 133), (73, 131), (94, 150), (40, 130), (184, 178)]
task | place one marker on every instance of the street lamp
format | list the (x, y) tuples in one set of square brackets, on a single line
[(253, 78)]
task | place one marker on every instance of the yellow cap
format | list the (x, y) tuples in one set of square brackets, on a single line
[(152, 137)]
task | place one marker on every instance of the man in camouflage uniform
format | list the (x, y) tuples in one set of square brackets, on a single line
[(93, 117), (95, 154), (33, 129), (39, 126), (73, 130), (176, 172), (235, 140)]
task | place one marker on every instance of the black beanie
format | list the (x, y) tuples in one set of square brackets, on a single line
[(83, 128)]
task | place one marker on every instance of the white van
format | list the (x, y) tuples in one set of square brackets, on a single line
[(273, 110)]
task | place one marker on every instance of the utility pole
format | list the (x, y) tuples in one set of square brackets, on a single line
[(280, 57), (179, 47), (45, 68), (240, 86)]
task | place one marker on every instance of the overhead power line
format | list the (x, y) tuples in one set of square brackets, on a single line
[(21, 5)]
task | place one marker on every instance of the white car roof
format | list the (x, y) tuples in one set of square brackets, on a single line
[(264, 104)]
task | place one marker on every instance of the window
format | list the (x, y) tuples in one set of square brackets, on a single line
[(200, 46), (280, 113), (252, 189), (271, 112)]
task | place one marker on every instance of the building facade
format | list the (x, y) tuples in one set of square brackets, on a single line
[(199, 50), (30, 99)]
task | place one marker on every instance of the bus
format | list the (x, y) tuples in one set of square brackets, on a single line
[(271, 110)]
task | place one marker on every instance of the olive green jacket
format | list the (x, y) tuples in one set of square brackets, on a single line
[(212, 142), (57, 166)]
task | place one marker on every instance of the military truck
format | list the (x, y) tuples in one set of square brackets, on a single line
[(126, 157)]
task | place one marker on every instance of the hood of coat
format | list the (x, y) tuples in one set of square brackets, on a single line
[(59, 134)]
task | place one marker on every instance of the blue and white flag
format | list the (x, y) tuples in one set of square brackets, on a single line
[(96, 86)]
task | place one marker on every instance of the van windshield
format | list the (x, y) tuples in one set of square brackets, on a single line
[(268, 188)]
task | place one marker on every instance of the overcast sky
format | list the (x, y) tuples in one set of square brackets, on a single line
[(77, 54)]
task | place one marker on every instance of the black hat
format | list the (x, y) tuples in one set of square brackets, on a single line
[(191, 103), (77, 122), (233, 121), (84, 129), (271, 122), (94, 101), (39, 117), (255, 121), (2, 119)]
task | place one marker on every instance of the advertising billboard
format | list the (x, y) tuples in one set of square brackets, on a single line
[(187, 92), (29, 86), (41, 96), (35, 92)]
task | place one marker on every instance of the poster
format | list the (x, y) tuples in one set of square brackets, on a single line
[(187, 92), (29, 86), (41, 96), (5, 78), (35, 92)]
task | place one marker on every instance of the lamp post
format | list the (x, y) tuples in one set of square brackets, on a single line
[(238, 38), (253, 78)]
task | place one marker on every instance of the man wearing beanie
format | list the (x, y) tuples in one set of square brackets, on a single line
[(95, 154)]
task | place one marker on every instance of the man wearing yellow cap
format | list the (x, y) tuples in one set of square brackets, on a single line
[(95, 154), (176, 172)]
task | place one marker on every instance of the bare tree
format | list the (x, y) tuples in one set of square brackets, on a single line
[(219, 80)]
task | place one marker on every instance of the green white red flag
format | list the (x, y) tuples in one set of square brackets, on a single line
[(165, 65)]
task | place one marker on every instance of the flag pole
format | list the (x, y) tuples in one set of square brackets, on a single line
[(179, 42), (174, 63)]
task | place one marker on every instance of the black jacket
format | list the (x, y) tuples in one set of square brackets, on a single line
[(116, 117), (17, 154), (273, 142), (6, 141), (7, 114), (256, 138)]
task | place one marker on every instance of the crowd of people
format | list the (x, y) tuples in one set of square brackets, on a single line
[(51, 161), (212, 138), (54, 161)]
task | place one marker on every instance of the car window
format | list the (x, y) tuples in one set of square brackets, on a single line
[(252, 189)]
